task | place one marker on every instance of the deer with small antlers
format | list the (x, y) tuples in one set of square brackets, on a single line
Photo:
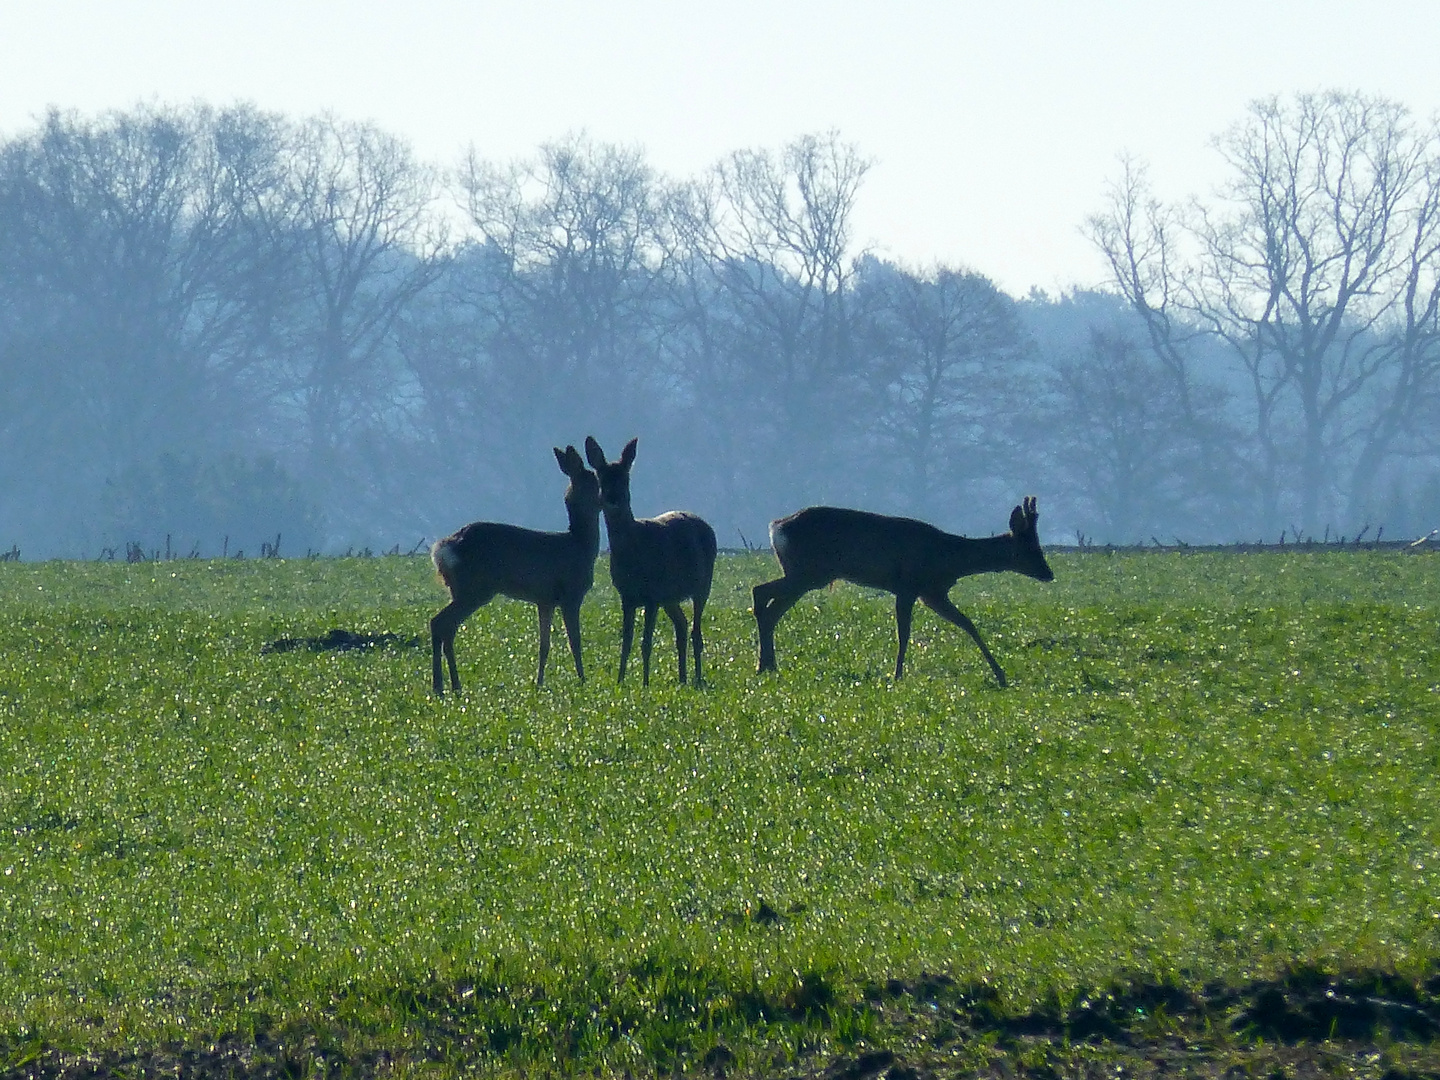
[(909, 558), (547, 569), (654, 562)]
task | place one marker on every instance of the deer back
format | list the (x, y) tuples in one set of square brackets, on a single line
[(662, 559), (488, 557), (821, 544)]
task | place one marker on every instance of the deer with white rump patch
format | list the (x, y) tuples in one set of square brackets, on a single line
[(654, 562), (547, 569), (909, 558)]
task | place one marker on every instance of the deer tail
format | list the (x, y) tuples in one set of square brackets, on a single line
[(778, 540), (446, 560)]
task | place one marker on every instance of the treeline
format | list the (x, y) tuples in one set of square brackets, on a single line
[(220, 325)]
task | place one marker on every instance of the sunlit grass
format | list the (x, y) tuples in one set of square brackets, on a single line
[(1208, 766)]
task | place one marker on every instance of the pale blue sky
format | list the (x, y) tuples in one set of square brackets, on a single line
[(994, 126)]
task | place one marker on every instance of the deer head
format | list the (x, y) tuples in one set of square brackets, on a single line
[(583, 494), (1029, 559), (614, 476)]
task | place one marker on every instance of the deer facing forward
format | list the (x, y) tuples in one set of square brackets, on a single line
[(909, 558), (654, 562), (547, 569)]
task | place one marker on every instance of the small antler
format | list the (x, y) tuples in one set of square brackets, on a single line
[(1024, 516)]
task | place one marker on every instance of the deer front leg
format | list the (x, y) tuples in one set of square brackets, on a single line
[(772, 599), (547, 615), (627, 637), (904, 607), (647, 639), (677, 617), (571, 614), (696, 640), (942, 606)]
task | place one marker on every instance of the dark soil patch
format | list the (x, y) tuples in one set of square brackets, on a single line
[(1304, 1025), (339, 640)]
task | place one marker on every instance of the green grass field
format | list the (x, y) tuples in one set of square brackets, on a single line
[(1208, 767)]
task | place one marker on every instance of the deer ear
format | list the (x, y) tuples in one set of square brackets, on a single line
[(627, 456), (593, 453), (1030, 510), (562, 459), (1017, 521)]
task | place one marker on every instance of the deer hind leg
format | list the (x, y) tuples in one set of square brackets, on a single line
[(942, 606), (763, 595), (697, 640), (627, 638), (904, 608), (443, 628), (547, 616), (677, 616), (571, 614), (438, 633), (646, 640), (772, 600)]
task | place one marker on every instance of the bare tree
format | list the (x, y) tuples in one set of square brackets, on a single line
[(1404, 421), (950, 358), (368, 245), (136, 243), (1117, 433), (769, 259), (1314, 264), (565, 283)]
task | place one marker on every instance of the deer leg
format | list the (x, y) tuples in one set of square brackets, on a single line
[(547, 616), (761, 596), (696, 639), (646, 640), (627, 638), (904, 607), (772, 600), (942, 606), (571, 614), (443, 628), (766, 632), (437, 638), (677, 616), (450, 659)]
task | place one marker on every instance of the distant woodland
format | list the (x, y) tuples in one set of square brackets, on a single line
[(220, 326)]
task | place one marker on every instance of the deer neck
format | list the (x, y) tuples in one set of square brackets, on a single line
[(620, 523), (585, 528), (981, 555)]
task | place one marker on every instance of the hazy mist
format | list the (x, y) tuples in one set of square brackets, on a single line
[(222, 326)]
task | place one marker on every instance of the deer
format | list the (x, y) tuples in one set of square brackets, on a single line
[(654, 562), (547, 569), (912, 559)]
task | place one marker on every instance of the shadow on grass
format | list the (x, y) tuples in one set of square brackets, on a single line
[(680, 1021)]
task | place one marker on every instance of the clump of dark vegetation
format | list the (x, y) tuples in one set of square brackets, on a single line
[(340, 640), (1303, 1005)]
